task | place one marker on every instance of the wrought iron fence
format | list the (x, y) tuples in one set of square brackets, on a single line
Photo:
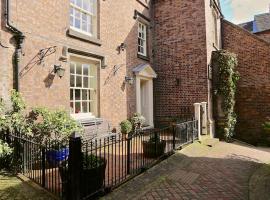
[(40, 163), (84, 169), (110, 161)]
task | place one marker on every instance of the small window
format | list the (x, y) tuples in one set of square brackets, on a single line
[(83, 87), (83, 16), (142, 39)]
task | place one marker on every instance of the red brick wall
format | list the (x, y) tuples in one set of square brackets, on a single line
[(253, 93), (180, 57), (264, 35), (45, 24)]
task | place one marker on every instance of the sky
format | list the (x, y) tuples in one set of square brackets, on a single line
[(238, 11)]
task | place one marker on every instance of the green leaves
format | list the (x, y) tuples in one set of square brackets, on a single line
[(228, 78), (126, 126), (55, 125)]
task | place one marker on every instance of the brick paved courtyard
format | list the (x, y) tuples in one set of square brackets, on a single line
[(198, 172)]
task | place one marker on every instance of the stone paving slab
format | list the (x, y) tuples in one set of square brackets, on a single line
[(198, 172)]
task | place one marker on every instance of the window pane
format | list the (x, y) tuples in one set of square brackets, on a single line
[(84, 26), (92, 95), (92, 106), (72, 81), (86, 82), (93, 70), (93, 83), (79, 3), (77, 94), (90, 24), (72, 68), (79, 68), (77, 107), (78, 81), (84, 95), (84, 106), (85, 69), (72, 1), (77, 19), (71, 95), (86, 5)]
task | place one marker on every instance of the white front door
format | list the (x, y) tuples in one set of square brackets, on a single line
[(145, 101), (144, 93)]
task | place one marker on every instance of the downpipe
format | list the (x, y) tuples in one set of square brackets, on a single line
[(19, 37)]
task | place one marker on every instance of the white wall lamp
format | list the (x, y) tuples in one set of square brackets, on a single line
[(59, 71)]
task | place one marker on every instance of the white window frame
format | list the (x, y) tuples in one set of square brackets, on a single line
[(91, 24), (142, 36), (90, 62)]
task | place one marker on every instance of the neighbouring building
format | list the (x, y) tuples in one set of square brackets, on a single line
[(118, 57), (252, 98), (260, 26)]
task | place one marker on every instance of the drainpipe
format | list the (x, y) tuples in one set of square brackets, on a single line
[(19, 36)]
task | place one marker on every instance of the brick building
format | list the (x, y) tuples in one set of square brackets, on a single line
[(119, 57), (253, 89)]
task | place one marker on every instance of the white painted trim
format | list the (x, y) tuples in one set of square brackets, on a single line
[(150, 98)]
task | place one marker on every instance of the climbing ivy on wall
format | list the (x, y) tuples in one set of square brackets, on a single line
[(226, 63)]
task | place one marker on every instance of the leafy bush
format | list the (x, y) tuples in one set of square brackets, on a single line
[(137, 120), (226, 88), (91, 161), (56, 126), (126, 126), (5, 155)]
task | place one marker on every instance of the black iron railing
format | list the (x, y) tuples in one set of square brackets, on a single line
[(40, 163), (84, 169), (117, 158)]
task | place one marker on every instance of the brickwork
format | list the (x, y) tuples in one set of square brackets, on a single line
[(180, 57), (45, 24), (252, 98), (265, 35)]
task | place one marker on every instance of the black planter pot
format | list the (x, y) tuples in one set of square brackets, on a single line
[(91, 180), (154, 149)]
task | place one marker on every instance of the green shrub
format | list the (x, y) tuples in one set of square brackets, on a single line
[(126, 127), (5, 155), (226, 88), (91, 161), (137, 120), (56, 126)]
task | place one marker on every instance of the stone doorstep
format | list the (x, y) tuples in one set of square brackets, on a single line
[(34, 185)]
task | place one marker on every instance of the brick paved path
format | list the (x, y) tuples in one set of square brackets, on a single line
[(198, 172)]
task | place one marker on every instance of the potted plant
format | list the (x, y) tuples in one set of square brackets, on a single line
[(154, 147), (137, 121), (126, 128), (92, 174), (53, 129)]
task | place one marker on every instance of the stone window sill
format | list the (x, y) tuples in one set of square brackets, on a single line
[(84, 37), (143, 57)]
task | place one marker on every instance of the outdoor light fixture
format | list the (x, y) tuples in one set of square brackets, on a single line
[(59, 70), (129, 80), (122, 47)]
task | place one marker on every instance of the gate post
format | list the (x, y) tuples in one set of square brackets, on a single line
[(74, 167), (128, 154), (204, 118), (197, 107)]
